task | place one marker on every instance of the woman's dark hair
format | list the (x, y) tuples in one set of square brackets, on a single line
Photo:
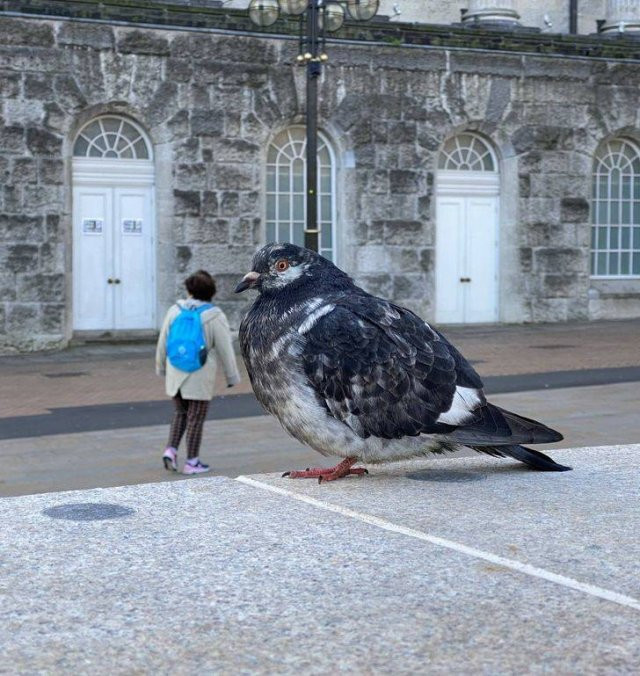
[(201, 285)]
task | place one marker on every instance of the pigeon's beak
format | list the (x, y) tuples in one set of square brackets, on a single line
[(248, 281)]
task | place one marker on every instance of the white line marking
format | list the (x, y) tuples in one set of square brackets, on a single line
[(525, 568)]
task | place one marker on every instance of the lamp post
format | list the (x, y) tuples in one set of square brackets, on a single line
[(317, 18)]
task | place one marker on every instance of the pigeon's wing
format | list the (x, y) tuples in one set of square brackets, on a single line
[(383, 371)]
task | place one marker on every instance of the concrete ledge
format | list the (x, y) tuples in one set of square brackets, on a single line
[(385, 573)]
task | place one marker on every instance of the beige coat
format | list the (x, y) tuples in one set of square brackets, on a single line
[(199, 384)]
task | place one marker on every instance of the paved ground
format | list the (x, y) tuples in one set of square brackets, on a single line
[(466, 566), (598, 415), (96, 415), (108, 374)]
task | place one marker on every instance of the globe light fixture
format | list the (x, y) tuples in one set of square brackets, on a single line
[(363, 10), (293, 6), (317, 18), (264, 12), (331, 17)]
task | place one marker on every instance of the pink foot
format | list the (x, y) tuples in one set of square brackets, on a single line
[(328, 473)]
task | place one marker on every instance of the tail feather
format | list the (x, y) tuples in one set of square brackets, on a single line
[(493, 425), (534, 459)]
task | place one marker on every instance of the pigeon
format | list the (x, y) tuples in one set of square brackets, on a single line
[(359, 377)]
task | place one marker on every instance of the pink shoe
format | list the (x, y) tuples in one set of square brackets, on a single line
[(170, 459), (198, 468)]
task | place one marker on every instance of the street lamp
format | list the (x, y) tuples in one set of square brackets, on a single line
[(317, 18)]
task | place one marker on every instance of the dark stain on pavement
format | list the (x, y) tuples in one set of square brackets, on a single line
[(88, 511)]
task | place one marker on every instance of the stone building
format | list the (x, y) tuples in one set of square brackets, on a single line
[(478, 173)]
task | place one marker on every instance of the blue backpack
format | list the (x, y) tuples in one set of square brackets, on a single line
[(186, 343)]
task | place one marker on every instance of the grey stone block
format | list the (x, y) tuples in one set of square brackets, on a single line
[(86, 35), (23, 318), (24, 170), (229, 203), (161, 103), (42, 142), (12, 139), (404, 181), (41, 287), (183, 258), (378, 285), (43, 197), (233, 177), (403, 259), (179, 70), (52, 257), (53, 230), (32, 33), (242, 230), (141, 42), (203, 123), (7, 288), (409, 286), (51, 171), (427, 260), (574, 209), (207, 230), (539, 138), (191, 176), (210, 203), (68, 94), (21, 228), (550, 234), (560, 260), (402, 232), (187, 202), (10, 85)]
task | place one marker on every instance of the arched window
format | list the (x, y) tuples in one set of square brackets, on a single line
[(112, 137), (466, 152), (286, 190), (615, 210)]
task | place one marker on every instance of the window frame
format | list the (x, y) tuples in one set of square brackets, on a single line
[(445, 157), (291, 143), (130, 142), (614, 160)]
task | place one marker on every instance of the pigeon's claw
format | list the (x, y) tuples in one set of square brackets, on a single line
[(328, 473)]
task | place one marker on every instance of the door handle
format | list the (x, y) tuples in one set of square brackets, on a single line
[(109, 281), (116, 281), (465, 279)]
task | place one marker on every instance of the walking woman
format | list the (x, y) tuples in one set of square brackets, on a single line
[(191, 384)]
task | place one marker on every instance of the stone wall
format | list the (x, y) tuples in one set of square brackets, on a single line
[(211, 103)]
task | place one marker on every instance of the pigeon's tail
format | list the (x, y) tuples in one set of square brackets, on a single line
[(534, 459), (495, 426)]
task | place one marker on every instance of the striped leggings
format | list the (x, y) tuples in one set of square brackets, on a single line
[(189, 417)]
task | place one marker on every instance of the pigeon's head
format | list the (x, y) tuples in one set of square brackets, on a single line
[(286, 266)]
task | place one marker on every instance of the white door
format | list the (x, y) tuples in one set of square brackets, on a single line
[(466, 257), (113, 257)]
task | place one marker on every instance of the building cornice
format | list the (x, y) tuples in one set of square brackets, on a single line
[(175, 17)]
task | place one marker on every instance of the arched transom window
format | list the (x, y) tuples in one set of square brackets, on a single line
[(286, 190), (615, 212), (112, 137), (466, 152)]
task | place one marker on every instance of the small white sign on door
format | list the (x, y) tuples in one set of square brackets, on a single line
[(132, 226), (92, 226)]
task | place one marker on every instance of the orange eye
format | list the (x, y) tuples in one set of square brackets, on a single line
[(282, 265)]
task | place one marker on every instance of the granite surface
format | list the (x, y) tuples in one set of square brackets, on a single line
[(217, 576)]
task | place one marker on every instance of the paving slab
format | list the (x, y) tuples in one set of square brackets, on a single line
[(218, 576), (583, 523)]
